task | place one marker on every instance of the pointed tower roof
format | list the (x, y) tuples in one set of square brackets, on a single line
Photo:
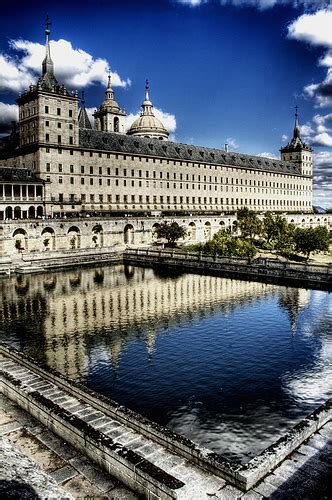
[(83, 119), (48, 79), (109, 102), (147, 125), (296, 142)]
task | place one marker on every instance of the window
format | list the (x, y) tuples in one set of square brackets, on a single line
[(47, 138), (60, 196), (60, 167), (71, 180), (100, 182), (46, 110), (58, 111), (100, 170), (91, 181), (82, 180), (48, 167), (60, 179), (59, 139), (82, 169), (101, 198), (91, 170), (47, 123), (71, 169), (71, 140), (70, 114), (59, 125)]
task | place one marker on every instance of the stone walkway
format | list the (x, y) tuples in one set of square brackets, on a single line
[(36, 463), (305, 474)]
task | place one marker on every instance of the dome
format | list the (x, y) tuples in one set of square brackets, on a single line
[(147, 125)]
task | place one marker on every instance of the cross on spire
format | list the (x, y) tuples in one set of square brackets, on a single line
[(47, 23)]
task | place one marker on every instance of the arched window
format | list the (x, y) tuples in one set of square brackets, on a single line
[(116, 124)]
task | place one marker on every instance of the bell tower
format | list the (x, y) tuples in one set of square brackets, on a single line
[(297, 151), (110, 117)]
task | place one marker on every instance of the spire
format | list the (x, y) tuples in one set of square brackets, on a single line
[(83, 119), (48, 78), (109, 91), (147, 104), (296, 133)]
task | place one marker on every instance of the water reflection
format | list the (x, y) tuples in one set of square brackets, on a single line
[(213, 358)]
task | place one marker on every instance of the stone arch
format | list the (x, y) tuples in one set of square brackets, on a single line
[(20, 239), (32, 212), (98, 235), (207, 231), (9, 213), (303, 222), (74, 238), (192, 233), (155, 226), (128, 234), (17, 213), (40, 211), (222, 225), (48, 238), (292, 221)]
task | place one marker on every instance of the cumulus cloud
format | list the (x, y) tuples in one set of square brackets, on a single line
[(315, 29), (260, 4), (269, 155), (232, 144), (167, 119), (73, 67), (8, 114), (322, 189)]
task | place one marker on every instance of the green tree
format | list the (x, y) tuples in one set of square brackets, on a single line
[(171, 232), (248, 223), (276, 230), (308, 240), (225, 244)]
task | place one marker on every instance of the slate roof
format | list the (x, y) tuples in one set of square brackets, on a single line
[(131, 145), (83, 119), (18, 174)]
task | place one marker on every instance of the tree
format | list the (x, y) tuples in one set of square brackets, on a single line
[(308, 240), (225, 244), (248, 223), (276, 230), (171, 232)]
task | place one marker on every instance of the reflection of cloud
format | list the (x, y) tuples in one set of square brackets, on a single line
[(314, 385)]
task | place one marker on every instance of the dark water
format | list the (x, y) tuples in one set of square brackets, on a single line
[(230, 364)]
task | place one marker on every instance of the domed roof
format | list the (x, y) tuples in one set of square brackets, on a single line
[(147, 124), (109, 104)]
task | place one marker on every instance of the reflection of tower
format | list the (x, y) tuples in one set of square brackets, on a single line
[(150, 341), (293, 300)]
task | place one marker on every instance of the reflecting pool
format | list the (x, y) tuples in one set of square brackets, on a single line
[(231, 364)]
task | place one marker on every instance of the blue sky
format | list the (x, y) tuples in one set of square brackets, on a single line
[(219, 70)]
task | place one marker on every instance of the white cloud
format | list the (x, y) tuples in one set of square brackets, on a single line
[(268, 155), (261, 4), (322, 187), (323, 139), (232, 144), (192, 3), (315, 29), (8, 114), (167, 119), (73, 67), (284, 137)]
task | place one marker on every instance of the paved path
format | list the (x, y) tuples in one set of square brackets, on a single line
[(306, 473)]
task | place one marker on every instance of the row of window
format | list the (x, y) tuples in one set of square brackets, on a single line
[(117, 156), (179, 200)]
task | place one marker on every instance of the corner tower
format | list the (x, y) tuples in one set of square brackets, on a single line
[(110, 117), (47, 111), (297, 151)]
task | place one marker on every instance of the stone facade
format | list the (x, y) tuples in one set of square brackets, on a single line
[(105, 171)]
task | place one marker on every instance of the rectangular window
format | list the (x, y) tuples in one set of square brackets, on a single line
[(47, 123), (46, 110), (48, 167), (47, 138), (91, 182), (71, 180), (71, 169), (100, 170), (58, 111), (82, 180), (59, 139), (60, 180), (91, 170), (70, 113), (59, 124), (71, 140), (101, 198), (100, 182), (60, 167), (92, 198)]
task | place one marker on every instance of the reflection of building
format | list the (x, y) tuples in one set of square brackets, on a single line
[(293, 300), (85, 307), (106, 170)]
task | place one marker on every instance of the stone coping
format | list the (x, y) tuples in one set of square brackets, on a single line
[(243, 476)]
